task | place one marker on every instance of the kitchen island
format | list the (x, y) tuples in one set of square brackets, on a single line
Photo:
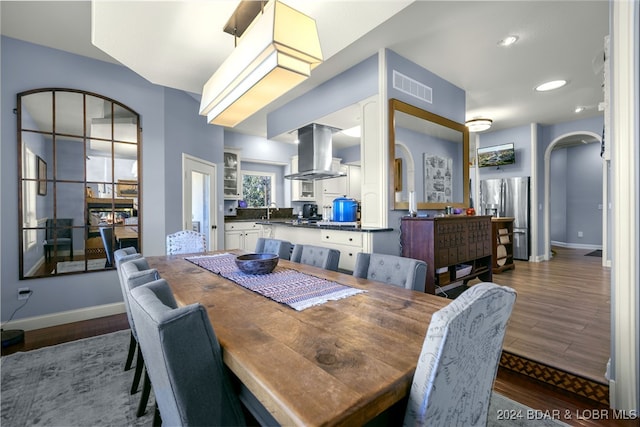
[(348, 240)]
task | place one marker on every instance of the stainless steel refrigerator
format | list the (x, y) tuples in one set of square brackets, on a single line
[(509, 197)]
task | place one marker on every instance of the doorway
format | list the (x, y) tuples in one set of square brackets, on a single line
[(199, 198), (567, 141)]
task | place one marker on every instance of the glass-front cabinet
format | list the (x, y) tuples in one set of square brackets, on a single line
[(232, 177), (78, 170)]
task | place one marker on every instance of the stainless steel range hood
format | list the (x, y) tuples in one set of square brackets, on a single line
[(315, 154)]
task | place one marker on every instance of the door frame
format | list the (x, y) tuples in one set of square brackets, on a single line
[(212, 239)]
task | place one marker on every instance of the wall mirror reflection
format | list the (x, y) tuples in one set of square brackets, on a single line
[(428, 158), (78, 167)]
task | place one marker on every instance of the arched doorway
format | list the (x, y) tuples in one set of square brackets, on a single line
[(565, 141)]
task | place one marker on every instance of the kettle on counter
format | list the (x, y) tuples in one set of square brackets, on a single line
[(345, 209)]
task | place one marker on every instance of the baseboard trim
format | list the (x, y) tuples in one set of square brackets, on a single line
[(575, 245), (572, 383), (55, 319)]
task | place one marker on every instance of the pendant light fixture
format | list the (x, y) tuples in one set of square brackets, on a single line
[(478, 124), (275, 53)]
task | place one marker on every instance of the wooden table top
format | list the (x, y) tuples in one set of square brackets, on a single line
[(340, 363), (126, 232)]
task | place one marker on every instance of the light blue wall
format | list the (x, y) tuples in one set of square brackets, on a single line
[(521, 139), (558, 196), (170, 125), (351, 86)]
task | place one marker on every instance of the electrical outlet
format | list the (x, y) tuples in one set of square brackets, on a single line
[(580, 234), (24, 293)]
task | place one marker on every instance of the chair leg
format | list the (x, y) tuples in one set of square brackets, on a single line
[(144, 397), (157, 419), (132, 350), (138, 373)]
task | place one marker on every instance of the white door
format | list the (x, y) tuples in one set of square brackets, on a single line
[(199, 198)]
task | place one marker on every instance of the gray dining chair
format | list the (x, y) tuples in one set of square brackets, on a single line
[(58, 235), (317, 256), (121, 256), (394, 270), (282, 248), (136, 272), (106, 233), (184, 360), (186, 242), (459, 359)]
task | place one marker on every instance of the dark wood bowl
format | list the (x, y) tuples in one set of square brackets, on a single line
[(257, 263)]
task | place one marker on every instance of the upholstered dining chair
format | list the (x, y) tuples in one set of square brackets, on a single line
[(121, 256), (186, 242), (317, 256), (136, 272), (459, 359), (184, 360), (106, 233), (394, 270), (58, 235), (282, 248)]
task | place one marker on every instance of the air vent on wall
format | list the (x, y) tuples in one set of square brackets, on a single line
[(412, 87)]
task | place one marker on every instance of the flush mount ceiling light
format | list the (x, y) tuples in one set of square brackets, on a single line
[(508, 41), (554, 84), (274, 53), (478, 125), (579, 109)]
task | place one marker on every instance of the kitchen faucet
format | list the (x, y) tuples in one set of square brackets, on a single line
[(269, 209)]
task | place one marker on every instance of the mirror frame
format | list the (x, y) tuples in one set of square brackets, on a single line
[(50, 179), (397, 105)]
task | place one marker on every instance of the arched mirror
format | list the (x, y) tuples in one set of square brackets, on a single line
[(78, 171), (429, 156)]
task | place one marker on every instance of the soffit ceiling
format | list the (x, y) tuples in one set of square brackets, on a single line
[(180, 44)]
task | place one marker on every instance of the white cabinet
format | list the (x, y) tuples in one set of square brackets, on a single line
[(232, 175), (241, 235), (301, 191), (355, 182)]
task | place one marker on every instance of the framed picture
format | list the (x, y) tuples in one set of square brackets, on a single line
[(127, 188), (42, 176)]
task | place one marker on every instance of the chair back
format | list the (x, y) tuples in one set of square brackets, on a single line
[(183, 359), (394, 270), (106, 233), (282, 248), (317, 256), (459, 359), (133, 272), (186, 242), (59, 229)]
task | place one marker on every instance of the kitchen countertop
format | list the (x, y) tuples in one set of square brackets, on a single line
[(320, 226)]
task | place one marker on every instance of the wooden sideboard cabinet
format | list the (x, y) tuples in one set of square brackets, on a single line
[(502, 247), (455, 248)]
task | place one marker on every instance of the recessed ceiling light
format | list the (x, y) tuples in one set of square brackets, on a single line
[(353, 132), (554, 84), (579, 110), (508, 41)]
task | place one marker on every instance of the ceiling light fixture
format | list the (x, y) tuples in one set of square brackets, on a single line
[(353, 132), (579, 110), (554, 84), (508, 41), (277, 51), (478, 124)]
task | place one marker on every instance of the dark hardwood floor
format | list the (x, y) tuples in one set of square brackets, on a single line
[(572, 294)]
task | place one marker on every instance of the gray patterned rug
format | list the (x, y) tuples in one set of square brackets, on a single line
[(83, 383)]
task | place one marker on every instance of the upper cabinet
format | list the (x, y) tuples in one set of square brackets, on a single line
[(232, 175), (301, 191)]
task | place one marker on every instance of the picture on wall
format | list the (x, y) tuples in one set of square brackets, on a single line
[(437, 178), (42, 177)]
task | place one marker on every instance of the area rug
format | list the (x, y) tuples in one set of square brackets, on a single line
[(597, 252), (290, 287), (83, 383), (71, 266)]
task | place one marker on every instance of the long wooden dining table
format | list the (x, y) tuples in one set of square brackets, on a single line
[(340, 363)]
